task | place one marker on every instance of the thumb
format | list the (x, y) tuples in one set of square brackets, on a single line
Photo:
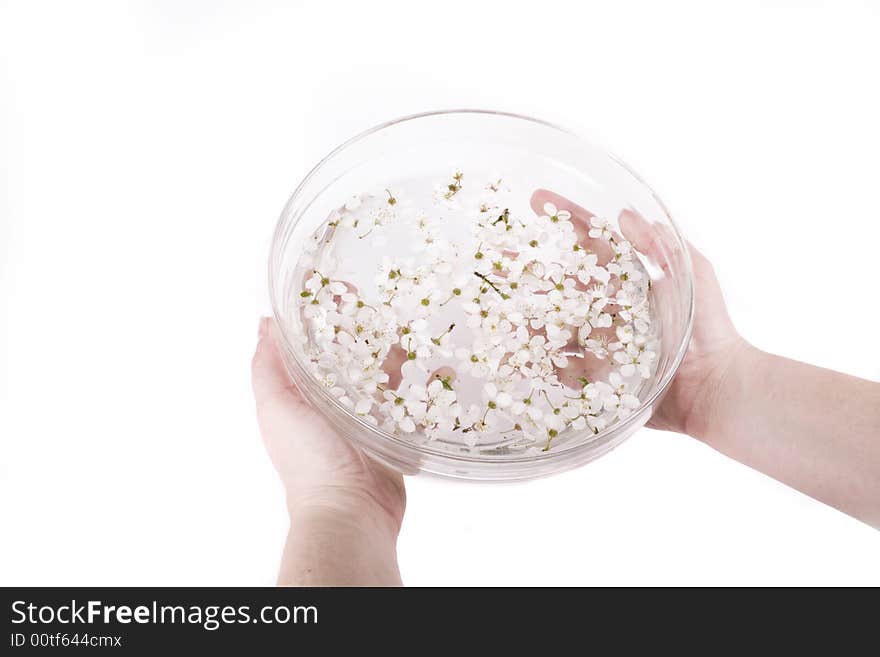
[(268, 375)]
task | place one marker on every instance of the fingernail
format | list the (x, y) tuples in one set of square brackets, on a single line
[(263, 330), (441, 373)]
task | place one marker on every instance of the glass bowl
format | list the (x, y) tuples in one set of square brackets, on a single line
[(548, 156)]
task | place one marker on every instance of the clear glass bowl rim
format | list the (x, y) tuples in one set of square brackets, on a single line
[(565, 451)]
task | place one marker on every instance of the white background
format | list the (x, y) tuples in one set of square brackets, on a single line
[(149, 147)]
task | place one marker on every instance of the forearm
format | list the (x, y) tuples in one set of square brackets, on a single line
[(811, 428), (332, 546)]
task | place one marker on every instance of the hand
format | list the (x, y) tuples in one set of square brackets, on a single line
[(811, 428), (715, 345), (715, 349), (319, 468)]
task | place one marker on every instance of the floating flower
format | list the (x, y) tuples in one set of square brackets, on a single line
[(600, 229), (529, 300), (556, 215)]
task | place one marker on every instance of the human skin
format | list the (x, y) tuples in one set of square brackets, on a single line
[(810, 428), (345, 509)]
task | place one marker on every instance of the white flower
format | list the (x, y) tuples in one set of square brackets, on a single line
[(472, 361), (601, 229), (633, 358), (474, 312), (398, 419), (394, 409), (597, 423), (599, 319), (537, 246), (624, 334), (586, 268), (556, 215), (528, 407), (535, 288), (387, 275), (625, 270), (416, 402), (627, 400), (497, 398)]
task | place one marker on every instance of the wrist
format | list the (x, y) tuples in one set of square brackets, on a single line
[(725, 386), (343, 507), (339, 537)]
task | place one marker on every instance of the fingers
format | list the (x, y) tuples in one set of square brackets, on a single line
[(712, 324), (585, 364), (580, 220), (268, 375), (393, 366), (657, 242), (638, 231), (350, 288), (542, 196), (393, 363), (654, 240), (444, 373), (588, 367), (702, 264), (580, 217)]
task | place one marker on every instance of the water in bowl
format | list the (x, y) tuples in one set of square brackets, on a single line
[(468, 311)]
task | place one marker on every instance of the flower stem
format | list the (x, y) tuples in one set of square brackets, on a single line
[(487, 281)]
